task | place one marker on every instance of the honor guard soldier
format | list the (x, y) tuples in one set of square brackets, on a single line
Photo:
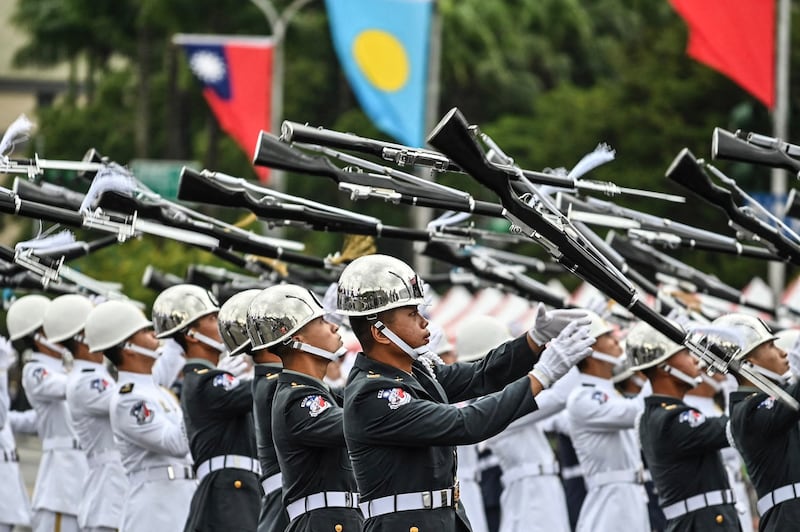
[(601, 425), (89, 392), (146, 421), (233, 329), (62, 469), (319, 489), (400, 431), (764, 430), (217, 408), (15, 507), (680, 445)]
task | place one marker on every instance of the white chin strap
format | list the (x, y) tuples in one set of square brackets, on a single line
[(396, 340), (210, 342), (708, 379), (681, 376), (324, 353), (141, 350), (60, 349), (638, 381), (771, 375), (614, 361)]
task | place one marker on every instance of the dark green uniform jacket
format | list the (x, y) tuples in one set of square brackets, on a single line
[(309, 439), (402, 432), (681, 447), (767, 435), (273, 516), (217, 412)]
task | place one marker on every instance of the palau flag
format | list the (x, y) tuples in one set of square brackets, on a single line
[(382, 46), (236, 72)]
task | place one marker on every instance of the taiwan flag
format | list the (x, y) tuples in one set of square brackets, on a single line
[(236, 72)]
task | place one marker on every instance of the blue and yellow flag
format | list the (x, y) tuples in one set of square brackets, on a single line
[(383, 48)]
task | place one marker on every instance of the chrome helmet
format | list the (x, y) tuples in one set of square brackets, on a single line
[(749, 332), (26, 315), (374, 283), (66, 317), (646, 347), (179, 306), (111, 323), (233, 321), (278, 312), (477, 335)]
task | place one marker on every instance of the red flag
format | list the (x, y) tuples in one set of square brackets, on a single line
[(736, 37), (236, 72)]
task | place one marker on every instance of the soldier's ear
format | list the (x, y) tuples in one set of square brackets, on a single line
[(378, 337)]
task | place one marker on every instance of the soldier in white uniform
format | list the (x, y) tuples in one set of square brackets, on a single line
[(146, 420), (601, 424), (15, 508), (62, 470)]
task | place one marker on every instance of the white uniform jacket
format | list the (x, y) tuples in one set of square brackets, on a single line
[(601, 424), (62, 469), (15, 508), (147, 422)]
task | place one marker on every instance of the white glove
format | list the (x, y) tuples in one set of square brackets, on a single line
[(7, 353), (549, 323), (170, 347), (573, 344), (235, 365)]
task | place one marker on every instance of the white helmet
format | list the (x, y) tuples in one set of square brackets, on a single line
[(752, 332), (233, 321), (25, 316), (66, 316), (278, 312), (646, 347), (598, 326), (477, 335), (374, 283), (178, 306), (111, 323)]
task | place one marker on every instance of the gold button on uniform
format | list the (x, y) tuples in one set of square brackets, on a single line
[(237, 484), (719, 519), (413, 529), (338, 528)]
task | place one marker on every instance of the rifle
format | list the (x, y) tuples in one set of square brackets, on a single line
[(686, 170), (755, 149), (158, 280), (543, 222)]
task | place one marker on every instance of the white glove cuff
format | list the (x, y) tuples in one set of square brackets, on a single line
[(537, 338), (543, 379)]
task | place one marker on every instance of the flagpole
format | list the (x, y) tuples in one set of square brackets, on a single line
[(777, 270)]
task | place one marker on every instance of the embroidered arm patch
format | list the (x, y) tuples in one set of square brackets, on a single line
[(396, 397), (316, 404)]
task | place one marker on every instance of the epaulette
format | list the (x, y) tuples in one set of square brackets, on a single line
[(126, 388), (201, 371)]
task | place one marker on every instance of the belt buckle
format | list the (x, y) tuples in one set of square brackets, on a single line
[(456, 492), (348, 499), (170, 472), (427, 501)]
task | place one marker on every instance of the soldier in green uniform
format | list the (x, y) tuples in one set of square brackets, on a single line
[(680, 445), (400, 430), (319, 489), (217, 408), (765, 431)]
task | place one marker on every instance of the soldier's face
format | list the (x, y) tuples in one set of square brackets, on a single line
[(684, 361), (209, 326), (408, 324), (320, 333), (770, 356), (608, 344), (145, 338)]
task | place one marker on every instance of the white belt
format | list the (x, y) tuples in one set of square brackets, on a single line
[(775, 497), (697, 502), (228, 461), (570, 472), (423, 500), (529, 470), (272, 483), (60, 442), (625, 476), (103, 457), (323, 499), (162, 472)]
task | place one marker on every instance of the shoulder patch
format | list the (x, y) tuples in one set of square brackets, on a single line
[(396, 397), (600, 396), (692, 417), (142, 413), (316, 404), (768, 403), (126, 388), (226, 381), (201, 371), (100, 385), (39, 374)]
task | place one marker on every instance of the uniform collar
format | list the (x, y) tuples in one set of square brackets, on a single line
[(664, 400), (742, 393), (47, 360), (136, 378), (599, 382), (260, 370), (288, 375), (367, 364), (200, 362), (80, 364)]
